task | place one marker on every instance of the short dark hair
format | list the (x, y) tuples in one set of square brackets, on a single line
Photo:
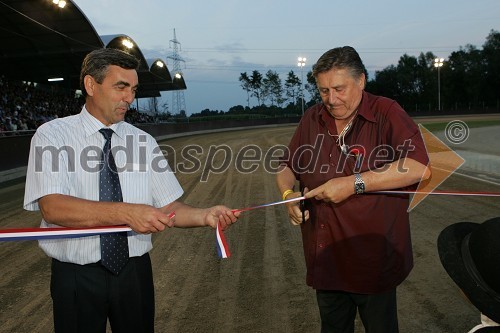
[(96, 64), (344, 57)]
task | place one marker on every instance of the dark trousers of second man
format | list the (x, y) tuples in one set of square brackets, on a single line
[(338, 311)]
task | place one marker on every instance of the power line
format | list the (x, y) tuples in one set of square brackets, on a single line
[(285, 50), (178, 101)]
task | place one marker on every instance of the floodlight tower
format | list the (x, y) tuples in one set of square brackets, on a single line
[(301, 62), (178, 101), (438, 63)]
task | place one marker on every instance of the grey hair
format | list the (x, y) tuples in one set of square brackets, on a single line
[(96, 64), (344, 57)]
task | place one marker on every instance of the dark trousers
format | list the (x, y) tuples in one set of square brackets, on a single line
[(338, 311), (85, 296)]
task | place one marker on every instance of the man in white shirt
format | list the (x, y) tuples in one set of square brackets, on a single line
[(63, 181)]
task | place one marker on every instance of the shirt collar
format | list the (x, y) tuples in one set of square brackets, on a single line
[(326, 119), (364, 109), (92, 125)]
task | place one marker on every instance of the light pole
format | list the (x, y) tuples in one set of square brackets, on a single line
[(438, 63), (301, 63)]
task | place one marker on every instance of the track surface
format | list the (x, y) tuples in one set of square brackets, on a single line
[(261, 288)]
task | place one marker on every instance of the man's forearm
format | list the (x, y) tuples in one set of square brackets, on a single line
[(186, 216), (68, 211), (401, 173), (285, 179)]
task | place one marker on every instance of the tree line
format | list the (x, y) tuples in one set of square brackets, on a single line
[(468, 80)]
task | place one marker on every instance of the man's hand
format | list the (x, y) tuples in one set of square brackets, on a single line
[(294, 210), (335, 190), (69, 211), (220, 214), (145, 219)]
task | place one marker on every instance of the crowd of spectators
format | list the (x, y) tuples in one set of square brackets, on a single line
[(134, 117), (25, 106)]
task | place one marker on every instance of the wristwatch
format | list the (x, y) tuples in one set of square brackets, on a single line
[(359, 184)]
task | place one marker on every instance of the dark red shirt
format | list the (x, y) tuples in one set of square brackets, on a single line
[(363, 244)]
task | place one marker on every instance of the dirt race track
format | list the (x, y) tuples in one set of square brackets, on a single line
[(261, 288)]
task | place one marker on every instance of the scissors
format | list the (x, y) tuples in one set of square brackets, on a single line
[(302, 205)]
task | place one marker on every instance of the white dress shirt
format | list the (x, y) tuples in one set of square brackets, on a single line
[(65, 159)]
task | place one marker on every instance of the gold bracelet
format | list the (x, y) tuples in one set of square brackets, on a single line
[(286, 193)]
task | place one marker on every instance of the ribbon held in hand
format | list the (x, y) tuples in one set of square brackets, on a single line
[(222, 246)]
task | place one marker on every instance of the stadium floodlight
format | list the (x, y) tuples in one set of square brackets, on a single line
[(127, 43), (60, 3), (301, 63), (438, 63)]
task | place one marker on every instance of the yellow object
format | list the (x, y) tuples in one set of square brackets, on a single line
[(286, 193)]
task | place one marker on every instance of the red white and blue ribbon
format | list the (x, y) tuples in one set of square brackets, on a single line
[(484, 194), (449, 193), (268, 205), (222, 247), (21, 234), (55, 233)]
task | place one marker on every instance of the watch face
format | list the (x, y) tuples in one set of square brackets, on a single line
[(359, 184)]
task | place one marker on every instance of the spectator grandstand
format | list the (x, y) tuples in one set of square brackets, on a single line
[(44, 42), (25, 105)]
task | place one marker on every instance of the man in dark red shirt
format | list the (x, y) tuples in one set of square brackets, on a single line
[(357, 245)]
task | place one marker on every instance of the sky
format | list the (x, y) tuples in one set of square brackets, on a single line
[(220, 39)]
